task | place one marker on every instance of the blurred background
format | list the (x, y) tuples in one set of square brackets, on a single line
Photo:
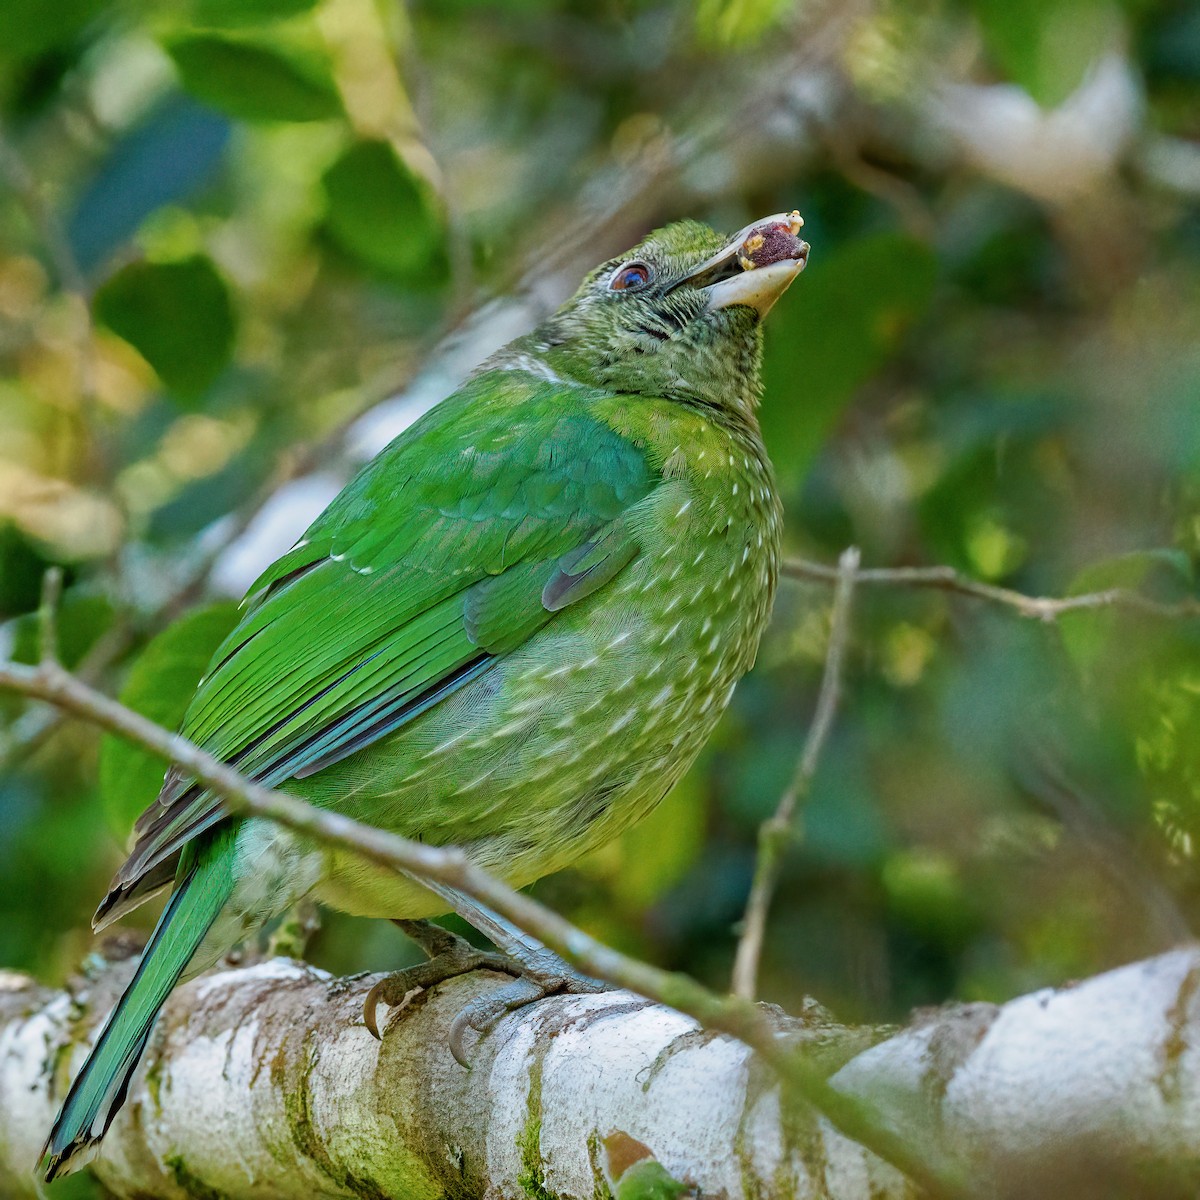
[(245, 242)]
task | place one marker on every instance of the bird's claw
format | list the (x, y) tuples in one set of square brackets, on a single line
[(459, 958), (532, 984), (538, 972)]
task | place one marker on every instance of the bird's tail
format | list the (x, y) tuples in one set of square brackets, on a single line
[(99, 1089)]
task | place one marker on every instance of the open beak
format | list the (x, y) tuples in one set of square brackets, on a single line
[(756, 266)]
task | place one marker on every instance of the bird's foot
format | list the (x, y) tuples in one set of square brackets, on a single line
[(449, 957), (539, 974)]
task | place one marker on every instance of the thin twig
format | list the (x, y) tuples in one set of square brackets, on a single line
[(1042, 608), (777, 830), (854, 1117), (52, 584)]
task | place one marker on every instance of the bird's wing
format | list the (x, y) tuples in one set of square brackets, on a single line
[(502, 506)]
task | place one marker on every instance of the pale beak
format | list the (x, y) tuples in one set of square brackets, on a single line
[(756, 266)]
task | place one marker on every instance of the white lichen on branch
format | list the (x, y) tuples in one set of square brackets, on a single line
[(263, 1081), (265, 1078)]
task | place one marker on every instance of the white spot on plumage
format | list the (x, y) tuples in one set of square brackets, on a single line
[(622, 721)]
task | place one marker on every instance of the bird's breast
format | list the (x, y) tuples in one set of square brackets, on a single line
[(582, 729)]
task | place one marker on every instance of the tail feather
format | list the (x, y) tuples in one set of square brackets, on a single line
[(100, 1087)]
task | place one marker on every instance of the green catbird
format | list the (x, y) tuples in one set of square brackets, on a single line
[(512, 631)]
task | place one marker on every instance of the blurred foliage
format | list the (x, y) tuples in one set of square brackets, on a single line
[(273, 207), (158, 686)]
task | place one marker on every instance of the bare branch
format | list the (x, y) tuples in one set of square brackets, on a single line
[(778, 829), (1042, 608), (261, 1081), (745, 1021), (245, 1055)]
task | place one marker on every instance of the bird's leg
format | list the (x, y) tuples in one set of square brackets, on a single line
[(448, 956), (537, 969), (432, 938), (540, 972)]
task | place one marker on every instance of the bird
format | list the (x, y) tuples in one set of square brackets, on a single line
[(512, 632)]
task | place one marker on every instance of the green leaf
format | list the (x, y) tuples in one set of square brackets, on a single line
[(21, 571), (160, 686), (246, 12), (179, 316), (650, 1180), (27, 29), (1047, 46), (380, 212), (255, 78), (1087, 633), (737, 22), (837, 326), (81, 619)]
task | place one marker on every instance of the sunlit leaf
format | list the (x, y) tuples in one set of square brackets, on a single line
[(256, 78), (160, 686), (178, 315), (737, 22)]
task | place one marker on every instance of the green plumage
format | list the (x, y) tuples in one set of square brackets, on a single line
[(512, 631)]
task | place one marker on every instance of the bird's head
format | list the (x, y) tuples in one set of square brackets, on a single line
[(678, 316)]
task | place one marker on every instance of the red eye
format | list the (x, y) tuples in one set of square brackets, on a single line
[(631, 276)]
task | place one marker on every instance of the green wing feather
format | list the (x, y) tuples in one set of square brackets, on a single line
[(500, 507)]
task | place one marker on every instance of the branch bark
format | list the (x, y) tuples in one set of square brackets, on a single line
[(263, 1081)]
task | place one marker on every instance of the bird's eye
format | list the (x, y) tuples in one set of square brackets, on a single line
[(631, 276)]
